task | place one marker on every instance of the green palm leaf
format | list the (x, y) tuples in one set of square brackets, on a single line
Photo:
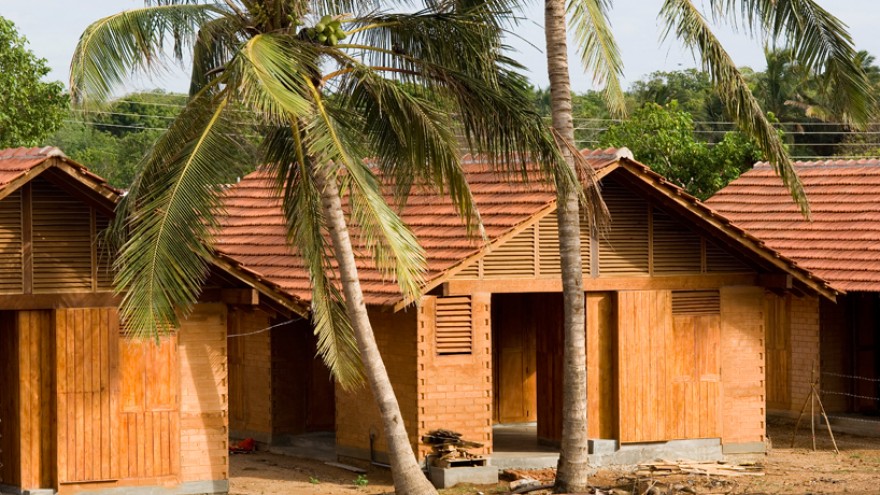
[(111, 48), (685, 20), (171, 214), (598, 49)]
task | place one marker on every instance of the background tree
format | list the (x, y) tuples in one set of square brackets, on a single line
[(30, 109), (664, 138), (322, 106)]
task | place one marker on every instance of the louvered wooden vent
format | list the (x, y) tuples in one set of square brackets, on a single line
[(696, 302), (513, 259), (719, 260), (62, 243), (104, 256), (10, 244), (676, 247), (623, 249), (455, 331)]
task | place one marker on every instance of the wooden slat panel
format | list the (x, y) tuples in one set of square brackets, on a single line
[(696, 302), (455, 332), (623, 250), (548, 246), (515, 258), (778, 324), (104, 270), (11, 263), (87, 393), (62, 240), (718, 260), (676, 248), (670, 388)]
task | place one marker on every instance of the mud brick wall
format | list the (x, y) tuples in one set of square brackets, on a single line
[(455, 391)]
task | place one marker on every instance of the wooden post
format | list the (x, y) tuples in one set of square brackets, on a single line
[(813, 405)]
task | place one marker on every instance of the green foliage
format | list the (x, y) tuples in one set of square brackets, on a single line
[(663, 138), (361, 481), (30, 109), (113, 140)]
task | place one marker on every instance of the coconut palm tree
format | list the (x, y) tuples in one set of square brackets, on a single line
[(320, 86), (818, 40)]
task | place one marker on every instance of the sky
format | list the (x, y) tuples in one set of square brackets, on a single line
[(53, 28)]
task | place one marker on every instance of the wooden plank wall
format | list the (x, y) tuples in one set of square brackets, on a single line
[(670, 370), (204, 421), (36, 361), (742, 364), (777, 319), (10, 401), (88, 383), (644, 325), (250, 376), (602, 407), (149, 417)]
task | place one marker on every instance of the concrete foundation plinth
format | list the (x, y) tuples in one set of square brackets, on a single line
[(451, 476)]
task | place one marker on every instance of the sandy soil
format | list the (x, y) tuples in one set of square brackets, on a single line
[(856, 470)]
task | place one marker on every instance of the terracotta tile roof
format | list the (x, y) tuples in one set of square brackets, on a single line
[(842, 242), (253, 232), (18, 163)]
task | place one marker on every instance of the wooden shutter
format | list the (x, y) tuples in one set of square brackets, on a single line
[(11, 244), (62, 240), (515, 258), (696, 302), (623, 250), (454, 325), (676, 247), (548, 246)]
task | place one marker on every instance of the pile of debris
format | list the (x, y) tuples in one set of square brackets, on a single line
[(451, 451), (705, 468)]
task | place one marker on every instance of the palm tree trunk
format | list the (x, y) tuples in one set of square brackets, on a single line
[(572, 470), (408, 476)]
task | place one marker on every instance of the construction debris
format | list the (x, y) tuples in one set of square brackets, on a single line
[(451, 451), (705, 468)]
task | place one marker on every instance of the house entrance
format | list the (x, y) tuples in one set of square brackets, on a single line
[(525, 331)]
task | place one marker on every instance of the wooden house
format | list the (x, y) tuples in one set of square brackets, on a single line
[(837, 342), (83, 407), (676, 314)]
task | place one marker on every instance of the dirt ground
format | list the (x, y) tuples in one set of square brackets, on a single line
[(856, 470)]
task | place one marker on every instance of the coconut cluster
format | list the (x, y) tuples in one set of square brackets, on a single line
[(328, 31)]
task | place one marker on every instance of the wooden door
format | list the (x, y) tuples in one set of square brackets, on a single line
[(516, 385), (87, 343), (778, 360), (670, 367)]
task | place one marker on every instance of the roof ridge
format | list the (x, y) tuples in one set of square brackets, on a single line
[(23, 153), (867, 161)]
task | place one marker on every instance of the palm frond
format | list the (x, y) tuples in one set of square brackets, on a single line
[(412, 139), (683, 18), (598, 49), (170, 216), (215, 45), (283, 149), (269, 76), (820, 43), (111, 48)]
